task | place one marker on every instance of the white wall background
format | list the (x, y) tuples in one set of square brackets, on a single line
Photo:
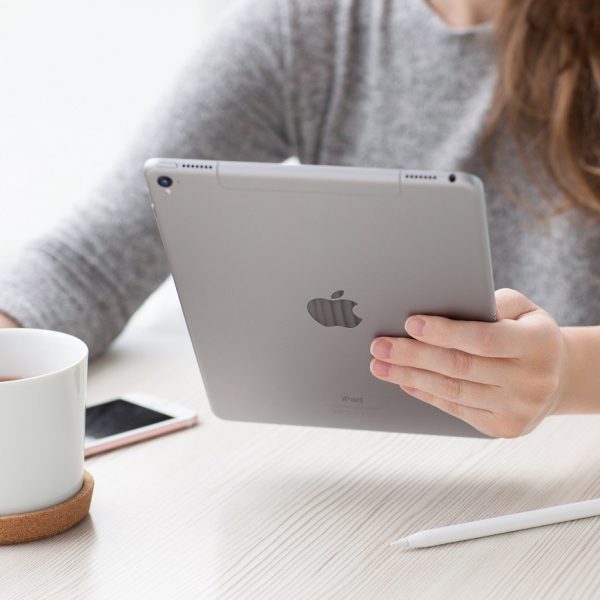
[(77, 80)]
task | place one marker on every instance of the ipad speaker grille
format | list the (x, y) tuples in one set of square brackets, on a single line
[(197, 166), (419, 176)]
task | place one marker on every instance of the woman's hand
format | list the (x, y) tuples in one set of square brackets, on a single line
[(503, 378), (6, 321)]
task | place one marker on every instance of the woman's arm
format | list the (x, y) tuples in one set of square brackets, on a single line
[(89, 275), (7, 322)]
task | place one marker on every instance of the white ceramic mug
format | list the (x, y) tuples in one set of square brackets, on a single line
[(42, 418)]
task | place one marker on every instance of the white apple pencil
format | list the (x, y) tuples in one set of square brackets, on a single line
[(504, 524)]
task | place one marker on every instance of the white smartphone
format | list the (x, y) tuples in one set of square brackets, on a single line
[(130, 419)]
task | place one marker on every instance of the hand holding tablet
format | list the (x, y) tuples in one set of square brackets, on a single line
[(503, 378)]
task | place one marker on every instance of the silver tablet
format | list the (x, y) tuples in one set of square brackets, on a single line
[(286, 274)]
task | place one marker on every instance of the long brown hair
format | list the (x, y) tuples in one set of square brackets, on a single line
[(548, 90)]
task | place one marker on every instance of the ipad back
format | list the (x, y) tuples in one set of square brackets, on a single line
[(286, 274)]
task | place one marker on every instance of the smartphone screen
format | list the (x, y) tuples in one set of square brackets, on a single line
[(118, 416)]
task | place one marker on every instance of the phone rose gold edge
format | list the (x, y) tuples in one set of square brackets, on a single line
[(140, 437)]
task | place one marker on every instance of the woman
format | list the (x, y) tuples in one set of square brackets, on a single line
[(506, 89)]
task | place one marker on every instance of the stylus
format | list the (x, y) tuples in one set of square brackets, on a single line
[(504, 524)]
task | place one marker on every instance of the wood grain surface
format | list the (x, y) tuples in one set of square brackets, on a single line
[(244, 511)]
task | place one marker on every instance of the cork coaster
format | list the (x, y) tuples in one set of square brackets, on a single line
[(27, 527)]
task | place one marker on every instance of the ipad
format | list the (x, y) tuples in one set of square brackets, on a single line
[(286, 273)]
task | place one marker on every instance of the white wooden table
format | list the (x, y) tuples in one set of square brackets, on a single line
[(230, 510)]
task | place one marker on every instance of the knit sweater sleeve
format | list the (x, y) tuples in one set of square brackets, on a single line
[(92, 272)]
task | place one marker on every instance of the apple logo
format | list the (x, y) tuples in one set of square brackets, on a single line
[(334, 312)]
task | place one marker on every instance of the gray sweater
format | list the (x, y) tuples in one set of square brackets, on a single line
[(344, 82)]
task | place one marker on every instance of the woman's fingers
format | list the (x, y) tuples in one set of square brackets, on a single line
[(504, 339), (467, 393), (486, 421), (511, 304), (451, 362), (460, 411), (481, 419)]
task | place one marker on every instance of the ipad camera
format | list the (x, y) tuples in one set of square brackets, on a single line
[(165, 181)]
